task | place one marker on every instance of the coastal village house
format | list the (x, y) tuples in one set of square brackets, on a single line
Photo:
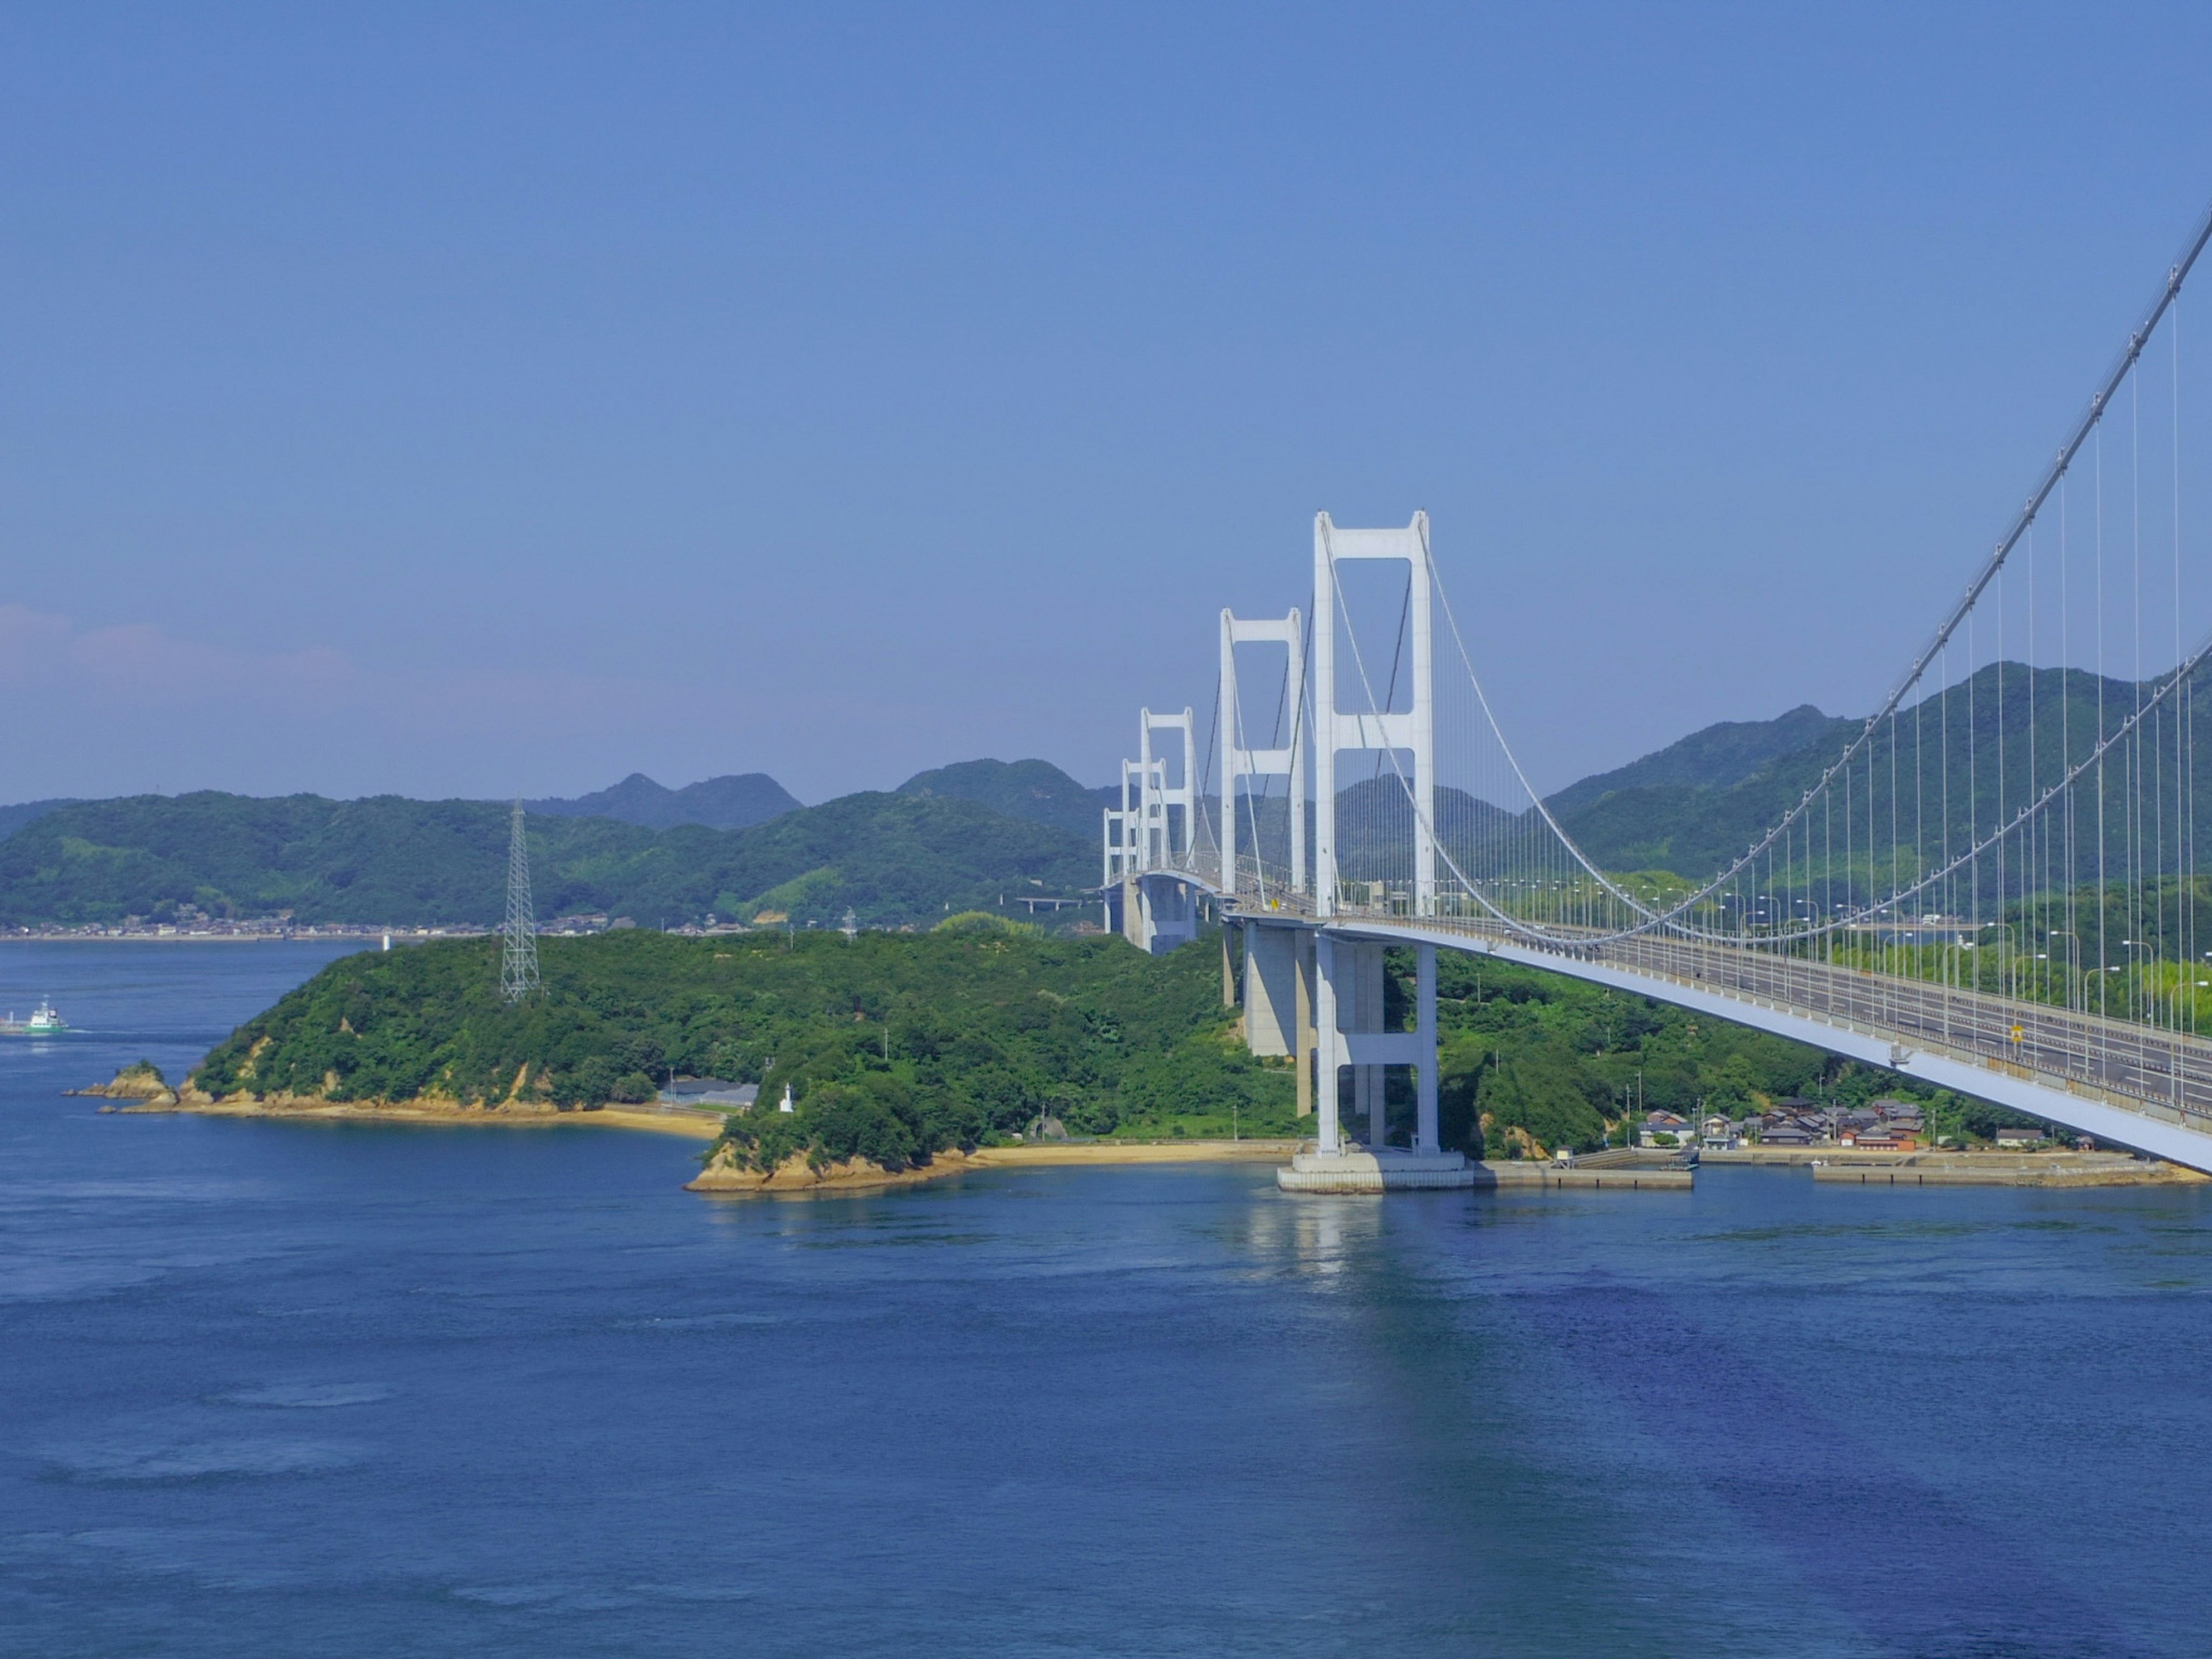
[(1878, 1138)]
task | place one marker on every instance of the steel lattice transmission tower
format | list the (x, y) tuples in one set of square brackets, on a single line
[(518, 958)]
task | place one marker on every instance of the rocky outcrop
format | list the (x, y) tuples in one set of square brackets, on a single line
[(140, 1081), (724, 1174)]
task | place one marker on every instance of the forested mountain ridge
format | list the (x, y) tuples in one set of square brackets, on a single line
[(13, 819), (734, 802), (1717, 757), (1937, 768), (890, 858), (1033, 789), (970, 835)]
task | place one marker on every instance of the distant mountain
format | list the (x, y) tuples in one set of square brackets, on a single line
[(1717, 758), (1033, 789), (891, 858), (1375, 830), (1941, 752), (896, 858), (13, 819), (734, 802)]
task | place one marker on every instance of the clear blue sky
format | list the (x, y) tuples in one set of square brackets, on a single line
[(489, 400)]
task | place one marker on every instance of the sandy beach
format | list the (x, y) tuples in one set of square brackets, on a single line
[(691, 1125), (797, 1178), (1134, 1151)]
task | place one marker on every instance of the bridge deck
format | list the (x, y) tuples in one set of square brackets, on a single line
[(2132, 1084)]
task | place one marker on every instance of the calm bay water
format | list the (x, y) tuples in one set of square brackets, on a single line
[(285, 1389)]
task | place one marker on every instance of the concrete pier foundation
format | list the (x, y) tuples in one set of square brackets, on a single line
[(1357, 1169)]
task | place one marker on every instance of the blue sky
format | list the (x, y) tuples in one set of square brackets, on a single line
[(491, 400)]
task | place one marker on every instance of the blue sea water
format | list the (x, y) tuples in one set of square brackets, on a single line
[(352, 1389)]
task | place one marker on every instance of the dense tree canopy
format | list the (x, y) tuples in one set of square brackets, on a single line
[(904, 1042), (388, 860)]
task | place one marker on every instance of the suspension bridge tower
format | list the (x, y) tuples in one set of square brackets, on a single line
[(1349, 968)]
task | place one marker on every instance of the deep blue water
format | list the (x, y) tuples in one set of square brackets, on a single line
[(290, 1388)]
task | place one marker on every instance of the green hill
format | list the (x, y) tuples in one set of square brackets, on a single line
[(13, 819), (735, 802), (1948, 742), (892, 859), (900, 1043), (1033, 789), (1719, 756)]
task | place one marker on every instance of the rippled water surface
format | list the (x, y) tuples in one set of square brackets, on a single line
[(290, 1388)]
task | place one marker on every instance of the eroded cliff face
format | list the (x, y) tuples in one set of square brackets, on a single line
[(723, 1174)]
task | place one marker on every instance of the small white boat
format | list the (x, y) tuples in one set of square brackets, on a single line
[(43, 1022)]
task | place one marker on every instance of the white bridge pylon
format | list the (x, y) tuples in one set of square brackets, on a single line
[(1364, 728), (1318, 994), (1151, 845), (1348, 976), (1240, 764)]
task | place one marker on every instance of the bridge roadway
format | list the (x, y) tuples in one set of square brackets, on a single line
[(2132, 1084)]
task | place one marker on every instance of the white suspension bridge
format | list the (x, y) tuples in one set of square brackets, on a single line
[(1992, 884)]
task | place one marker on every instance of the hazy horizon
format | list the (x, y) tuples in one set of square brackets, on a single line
[(903, 778)]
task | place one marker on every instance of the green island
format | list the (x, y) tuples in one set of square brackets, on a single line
[(896, 1047), (906, 1053)]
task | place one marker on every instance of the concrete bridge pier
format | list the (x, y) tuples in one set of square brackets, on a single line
[(1349, 1036), (1279, 998), (1158, 912), (1278, 994)]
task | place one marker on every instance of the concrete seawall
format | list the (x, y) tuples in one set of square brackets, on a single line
[(2004, 1170), (1669, 1177)]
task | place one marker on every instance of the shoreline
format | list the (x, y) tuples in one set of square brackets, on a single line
[(692, 1126), (1045, 1154), (2053, 1167), (796, 1178)]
